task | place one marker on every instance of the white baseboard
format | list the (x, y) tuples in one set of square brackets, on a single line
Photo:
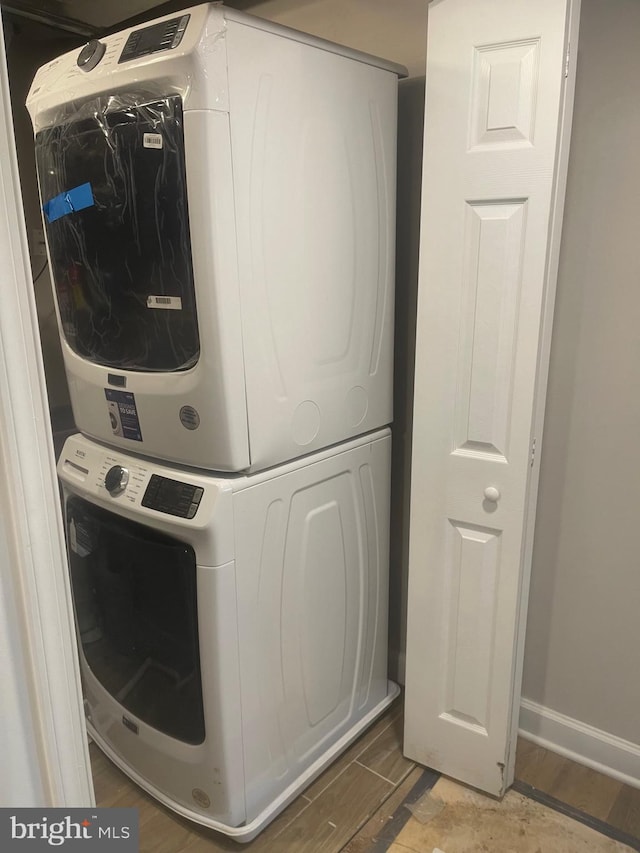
[(580, 742)]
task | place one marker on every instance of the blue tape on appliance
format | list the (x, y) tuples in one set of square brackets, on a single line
[(68, 202), (123, 414)]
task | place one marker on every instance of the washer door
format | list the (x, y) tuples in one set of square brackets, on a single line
[(113, 186), (135, 599)]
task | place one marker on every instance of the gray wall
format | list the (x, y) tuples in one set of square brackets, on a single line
[(582, 654), (410, 132), (387, 28)]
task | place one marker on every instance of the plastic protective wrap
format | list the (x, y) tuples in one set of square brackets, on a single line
[(113, 187)]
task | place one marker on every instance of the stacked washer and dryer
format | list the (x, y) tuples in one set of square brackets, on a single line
[(219, 201)]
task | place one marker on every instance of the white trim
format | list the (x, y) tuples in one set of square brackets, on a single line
[(33, 565), (581, 742)]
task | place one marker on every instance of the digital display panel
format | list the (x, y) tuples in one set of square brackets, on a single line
[(163, 36), (172, 496)]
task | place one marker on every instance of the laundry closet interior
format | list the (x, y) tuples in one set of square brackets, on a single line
[(293, 447), (221, 233)]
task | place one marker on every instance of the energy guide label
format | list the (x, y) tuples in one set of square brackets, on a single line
[(170, 303), (123, 414)]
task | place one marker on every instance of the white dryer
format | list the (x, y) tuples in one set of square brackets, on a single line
[(219, 204), (232, 631)]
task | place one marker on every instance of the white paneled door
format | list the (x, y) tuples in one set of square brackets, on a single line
[(499, 98)]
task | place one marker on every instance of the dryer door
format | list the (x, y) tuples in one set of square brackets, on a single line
[(113, 187), (134, 593)]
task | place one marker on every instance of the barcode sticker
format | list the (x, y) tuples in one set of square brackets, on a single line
[(152, 140), (170, 303)]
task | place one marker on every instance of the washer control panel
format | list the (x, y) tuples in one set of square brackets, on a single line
[(125, 481), (172, 496)]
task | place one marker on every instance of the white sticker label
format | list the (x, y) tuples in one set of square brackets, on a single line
[(152, 140), (79, 539), (170, 303)]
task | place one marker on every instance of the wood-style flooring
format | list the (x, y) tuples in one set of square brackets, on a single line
[(349, 805), (342, 810), (587, 790)]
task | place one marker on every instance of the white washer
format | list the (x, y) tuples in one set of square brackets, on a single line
[(232, 631), (219, 198)]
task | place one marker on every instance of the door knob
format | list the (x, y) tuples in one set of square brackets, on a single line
[(492, 494)]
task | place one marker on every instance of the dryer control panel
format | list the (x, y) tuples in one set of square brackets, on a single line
[(163, 36)]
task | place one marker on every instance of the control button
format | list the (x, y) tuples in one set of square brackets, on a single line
[(90, 55), (116, 480), (180, 31)]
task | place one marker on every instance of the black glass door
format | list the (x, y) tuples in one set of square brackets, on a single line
[(113, 186), (135, 599)]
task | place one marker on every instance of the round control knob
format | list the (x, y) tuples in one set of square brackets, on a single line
[(116, 480), (90, 55), (492, 494)]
